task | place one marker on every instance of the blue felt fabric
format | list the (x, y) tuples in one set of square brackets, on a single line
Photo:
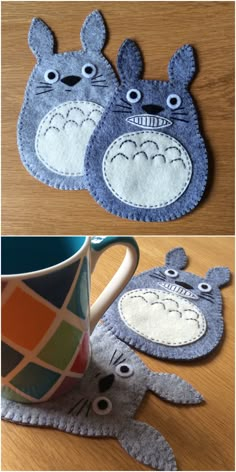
[(113, 125), (209, 304), (39, 99)]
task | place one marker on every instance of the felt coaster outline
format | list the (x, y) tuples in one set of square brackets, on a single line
[(214, 317), (190, 199), (140, 440), (36, 168)]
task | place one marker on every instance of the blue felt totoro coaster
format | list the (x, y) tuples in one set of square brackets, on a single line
[(106, 400), (147, 160), (64, 101), (170, 313)]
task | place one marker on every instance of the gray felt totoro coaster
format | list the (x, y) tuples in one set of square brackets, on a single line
[(170, 313), (106, 400), (64, 101)]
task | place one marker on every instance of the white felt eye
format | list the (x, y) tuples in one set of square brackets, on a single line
[(124, 370), (133, 96), (89, 70), (173, 101), (171, 272), (102, 406), (51, 76), (204, 287)]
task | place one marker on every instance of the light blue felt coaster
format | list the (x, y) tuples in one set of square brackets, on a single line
[(106, 400), (147, 159), (170, 313), (64, 101)]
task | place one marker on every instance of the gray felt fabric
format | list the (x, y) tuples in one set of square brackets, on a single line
[(41, 97), (140, 174), (209, 304), (75, 412)]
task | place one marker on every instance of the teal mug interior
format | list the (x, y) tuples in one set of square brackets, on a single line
[(29, 254)]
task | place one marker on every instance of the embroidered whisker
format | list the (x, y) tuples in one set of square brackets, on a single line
[(179, 119), (98, 85), (125, 101), (156, 276), (88, 409), (112, 357), (118, 358), (44, 86), (45, 91), (96, 76), (82, 407), (98, 81), (45, 83), (74, 406)]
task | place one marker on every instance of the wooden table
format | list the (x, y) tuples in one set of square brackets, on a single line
[(202, 437), (30, 207)]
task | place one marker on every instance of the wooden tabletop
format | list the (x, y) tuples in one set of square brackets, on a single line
[(202, 437), (30, 207)]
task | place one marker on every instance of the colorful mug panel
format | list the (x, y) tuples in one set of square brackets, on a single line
[(53, 313)]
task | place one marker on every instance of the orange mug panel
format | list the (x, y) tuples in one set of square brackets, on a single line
[(25, 320)]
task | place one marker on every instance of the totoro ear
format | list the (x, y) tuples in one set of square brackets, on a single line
[(129, 61), (182, 66), (93, 32), (177, 258), (218, 275), (40, 39)]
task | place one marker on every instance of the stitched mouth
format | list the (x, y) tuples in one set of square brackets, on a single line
[(178, 290), (149, 121)]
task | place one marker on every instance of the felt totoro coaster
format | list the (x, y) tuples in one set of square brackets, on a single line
[(106, 400), (147, 159), (170, 313), (64, 101)]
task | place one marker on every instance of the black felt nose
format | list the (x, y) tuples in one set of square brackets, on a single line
[(106, 382), (184, 284), (152, 109), (71, 80)]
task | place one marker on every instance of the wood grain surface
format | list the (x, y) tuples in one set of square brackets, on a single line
[(30, 207), (202, 437)]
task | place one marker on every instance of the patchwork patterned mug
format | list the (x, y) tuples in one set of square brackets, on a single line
[(46, 315)]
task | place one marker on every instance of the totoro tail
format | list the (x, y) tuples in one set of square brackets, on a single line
[(147, 445)]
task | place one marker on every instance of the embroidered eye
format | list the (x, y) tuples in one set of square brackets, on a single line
[(173, 101), (171, 272), (124, 370), (102, 406), (89, 70), (51, 76), (204, 287), (133, 96)]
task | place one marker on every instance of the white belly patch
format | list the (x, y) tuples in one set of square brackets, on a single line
[(147, 169), (162, 317), (63, 135)]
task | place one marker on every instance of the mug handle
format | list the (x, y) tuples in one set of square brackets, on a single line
[(120, 279)]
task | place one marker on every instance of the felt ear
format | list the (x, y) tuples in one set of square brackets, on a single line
[(40, 39), (172, 388), (177, 258), (218, 275), (182, 66), (129, 61), (147, 445), (93, 32)]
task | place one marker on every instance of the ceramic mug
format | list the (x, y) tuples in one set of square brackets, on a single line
[(46, 315)]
